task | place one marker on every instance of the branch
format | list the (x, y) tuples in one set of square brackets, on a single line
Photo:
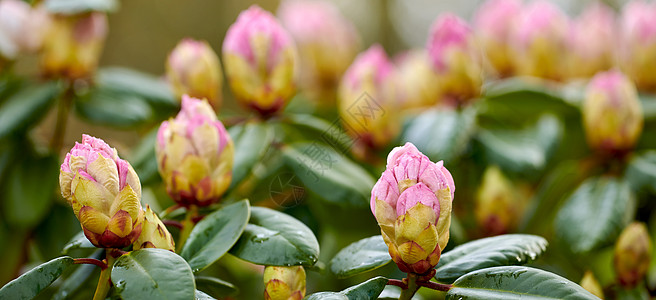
[(435, 286), (398, 283), (90, 261)]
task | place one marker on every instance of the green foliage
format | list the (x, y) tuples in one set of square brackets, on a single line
[(28, 285), (362, 256), (369, 289)]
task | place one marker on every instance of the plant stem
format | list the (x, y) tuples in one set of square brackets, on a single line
[(435, 286), (62, 118), (104, 282), (90, 261), (187, 226), (412, 287)]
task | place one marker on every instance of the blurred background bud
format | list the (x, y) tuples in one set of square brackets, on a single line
[(284, 283), (593, 39), (104, 192), (493, 24), (590, 283), (368, 100), (412, 204), (417, 80), (456, 58), (73, 45), (327, 44), (639, 43), (541, 32), (612, 113), (153, 233), (195, 154), (193, 69), (632, 254), (22, 28), (260, 61), (497, 205)]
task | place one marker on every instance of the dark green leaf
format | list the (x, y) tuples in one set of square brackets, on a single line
[(275, 238), (79, 241), (153, 274), (111, 108), (641, 171), (216, 287), (362, 256), (595, 214), (252, 139), (27, 106), (202, 296), (28, 285), (213, 236), (522, 151), (329, 174), (72, 7), (330, 133), (132, 82), (648, 102), (75, 281), (30, 190), (512, 282), (509, 249), (441, 134), (369, 289)]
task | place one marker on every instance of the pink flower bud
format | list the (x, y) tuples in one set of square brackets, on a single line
[(104, 191), (22, 28), (416, 80), (412, 204), (592, 41), (284, 283), (632, 254), (456, 58), (497, 208), (541, 33), (195, 154), (327, 44), (193, 69), (73, 45), (260, 61), (367, 99), (612, 113), (493, 23), (639, 43), (154, 234)]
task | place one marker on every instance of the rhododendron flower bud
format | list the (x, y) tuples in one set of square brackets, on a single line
[(639, 43), (327, 44), (493, 23), (497, 206), (592, 41), (153, 233), (632, 254), (104, 191), (22, 27), (73, 45), (612, 113), (590, 283), (456, 58), (260, 61), (540, 36), (193, 69), (195, 154), (284, 283), (368, 104), (412, 204), (417, 80)]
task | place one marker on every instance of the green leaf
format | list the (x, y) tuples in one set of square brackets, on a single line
[(79, 241), (648, 102), (641, 171), (28, 285), (216, 287), (331, 133), (276, 239), (215, 234), (595, 214), (29, 190), (27, 107), (153, 274), (252, 139), (132, 82), (72, 7), (329, 174), (75, 281), (522, 151), (369, 289), (509, 249), (362, 256), (202, 296), (441, 134), (512, 282), (110, 108)]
